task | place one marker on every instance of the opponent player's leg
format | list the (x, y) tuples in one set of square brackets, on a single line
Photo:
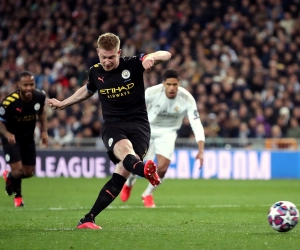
[(126, 190), (164, 147), (162, 167), (106, 196)]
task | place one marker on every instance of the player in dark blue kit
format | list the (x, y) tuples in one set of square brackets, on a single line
[(18, 115), (126, 131)]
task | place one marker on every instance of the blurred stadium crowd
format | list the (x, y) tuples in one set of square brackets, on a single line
[(239, 58)]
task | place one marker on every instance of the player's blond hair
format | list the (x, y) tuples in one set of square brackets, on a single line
[(108, 41)]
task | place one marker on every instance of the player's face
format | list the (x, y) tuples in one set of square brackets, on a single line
[(171, 87), (26, 86), (109, 59)]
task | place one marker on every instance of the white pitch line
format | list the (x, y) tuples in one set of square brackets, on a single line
[(59, 229), (167, 207), (141, 207)]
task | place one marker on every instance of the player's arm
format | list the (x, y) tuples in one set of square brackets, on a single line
[(198, 130), (44, 128), (80, 95), (9, 136), (157, 57), (200, 154)]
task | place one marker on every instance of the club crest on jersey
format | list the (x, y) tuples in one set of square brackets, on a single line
[(37, 106), (110, 141), (7, 157), (125, 74), (2, 111)]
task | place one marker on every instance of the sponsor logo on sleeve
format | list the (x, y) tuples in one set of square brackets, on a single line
[(196, 114), (2, 111), (110, 141)]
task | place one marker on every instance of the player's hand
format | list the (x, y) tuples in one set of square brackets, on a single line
[(54, 103), (200, 157), (148, 63), (45, 139), (10, 138)]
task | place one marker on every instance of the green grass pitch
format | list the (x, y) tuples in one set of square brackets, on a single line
[(190, 214)]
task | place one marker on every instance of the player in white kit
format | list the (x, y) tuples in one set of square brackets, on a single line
[(167, 105)]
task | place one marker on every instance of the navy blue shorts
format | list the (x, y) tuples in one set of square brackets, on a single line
[(21, 151), (137, 133)]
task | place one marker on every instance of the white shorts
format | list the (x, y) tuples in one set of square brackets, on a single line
[(163, 144)]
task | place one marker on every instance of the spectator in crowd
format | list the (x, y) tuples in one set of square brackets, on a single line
[(229, 47), (294, 129)]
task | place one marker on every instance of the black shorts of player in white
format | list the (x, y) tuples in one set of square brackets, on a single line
[(24, 151), (136, 132)]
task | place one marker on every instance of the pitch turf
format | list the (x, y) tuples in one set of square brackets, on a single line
[(190, 214)]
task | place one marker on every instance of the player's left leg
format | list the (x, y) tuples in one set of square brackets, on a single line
[(27, 169), (106, 196), (27, 172), (162, 167)]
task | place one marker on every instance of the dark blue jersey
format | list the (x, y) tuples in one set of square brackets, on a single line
[(18, 116), (121, 91)]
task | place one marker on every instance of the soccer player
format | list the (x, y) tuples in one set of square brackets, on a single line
[(119, 83), (167, 105), (18, 115)]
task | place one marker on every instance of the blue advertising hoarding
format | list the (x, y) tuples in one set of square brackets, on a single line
[(220, 164), (236, 164)]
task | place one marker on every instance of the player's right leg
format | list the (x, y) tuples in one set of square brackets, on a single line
[(141, 143), (13, 178), (130, 147), (13, 182), (8, 188)]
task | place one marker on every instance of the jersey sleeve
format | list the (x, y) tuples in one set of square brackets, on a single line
[(139, 60), (41, 100), (194, 118), (90, 86)]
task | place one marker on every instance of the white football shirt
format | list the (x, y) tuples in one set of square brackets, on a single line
[(165, 115)]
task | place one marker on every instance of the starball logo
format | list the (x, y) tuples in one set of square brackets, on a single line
[(117, 92)]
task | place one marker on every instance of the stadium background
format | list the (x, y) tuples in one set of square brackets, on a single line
[(239, 59)]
